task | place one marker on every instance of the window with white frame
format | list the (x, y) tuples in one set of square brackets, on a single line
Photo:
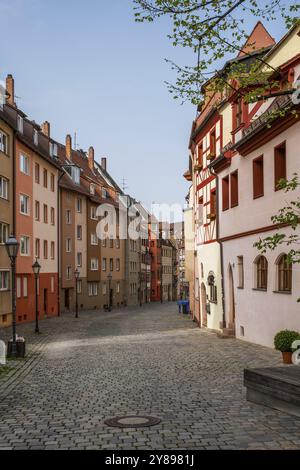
[(94, 264), (103, 264), (3, 142), (68, 273), (68, 217), (93, 289), (24, 164), (118, 264), (75, 174), (79, 286), (4, 230), (94, 212), (24, 204), (20, 124), (104, 290), (4, 280), (24, 245), (94, 239), (3, 187), (25, 286), (68, 245), (79, 259), (79, 205), (92, 189), (18, 287), (79, 232), (35, 137), (118, 288)]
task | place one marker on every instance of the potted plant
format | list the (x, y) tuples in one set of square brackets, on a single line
[(283, 342)]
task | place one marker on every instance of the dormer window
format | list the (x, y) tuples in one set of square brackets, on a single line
[(75, 173), (104, 193), (3, 142), (35, 137), (53, 149), (92, 189), (20, 124)]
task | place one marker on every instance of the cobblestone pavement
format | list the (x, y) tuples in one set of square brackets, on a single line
[(150, 361)]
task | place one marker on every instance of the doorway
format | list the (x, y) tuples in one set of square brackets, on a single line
[(45, 302), (67, 299), (203, 306)]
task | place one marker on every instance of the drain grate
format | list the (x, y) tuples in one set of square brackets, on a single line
[(132, 421)]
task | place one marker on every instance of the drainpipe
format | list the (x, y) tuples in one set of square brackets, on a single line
[(221, 246)]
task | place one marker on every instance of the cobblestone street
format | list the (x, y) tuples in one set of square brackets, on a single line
[(150, 361)]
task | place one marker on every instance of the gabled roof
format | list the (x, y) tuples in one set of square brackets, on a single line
[(258, 39)]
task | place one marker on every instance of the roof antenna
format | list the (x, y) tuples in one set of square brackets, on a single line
[(75, 141), (124, 185)]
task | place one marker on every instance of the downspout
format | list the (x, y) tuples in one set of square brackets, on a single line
[(221, 246)]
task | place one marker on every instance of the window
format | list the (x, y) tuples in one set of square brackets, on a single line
[(240, 272), (24, 204), (212, 150), (225, 193), (94, 239), (93, 213), (118, 264), (284, 274), (118, 243), (79, 232), (79, 205), (93, 289), (52, 284), (104, 242), (24, 245), (279, 164), (68, 216), (52, 250), (69, 273), (104, 193), (238, 113), (79, 259), (45, 212), (103, 264), (35, 137), (37, 173), (92, 189), (18, 287), (111, 264), (111, 243), (3, 187), (200, 154), (79, 286), (75, 174), (118, 288), (94, 264), (213, 204), (234, 183), (24, 164), (3, 142), (45, 178), (258, 177), (37, 210), (4, 280), (4, 229), (45, 249), (37, 248), (261, 273), (212, 288), (20, 124), (68, 245), (104, 290), (52, 216), (25, 286), (52, 182)]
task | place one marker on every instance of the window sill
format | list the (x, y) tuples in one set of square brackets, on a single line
[(241, 287), (259, 289), (282, 292)]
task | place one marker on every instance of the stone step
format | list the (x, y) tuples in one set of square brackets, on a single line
[(275, 387)]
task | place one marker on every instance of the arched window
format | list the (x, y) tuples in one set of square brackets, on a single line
[(261, 273), (211, 280), (284, 274)]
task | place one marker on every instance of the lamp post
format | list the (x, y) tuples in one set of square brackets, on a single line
[(36, 267), (109, 277), (12, 248), (76, 274)]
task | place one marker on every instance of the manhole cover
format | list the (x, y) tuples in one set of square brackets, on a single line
[(132, 421)]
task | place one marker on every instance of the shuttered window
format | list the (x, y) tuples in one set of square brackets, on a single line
[(234, 186), (279, 164), (258, 177)]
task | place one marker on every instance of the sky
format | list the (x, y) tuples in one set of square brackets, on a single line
[(88, 68)]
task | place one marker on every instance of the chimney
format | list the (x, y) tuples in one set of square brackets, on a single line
[(10, 89), (103, 163), (68, 147), (46, 128), (91, 157)]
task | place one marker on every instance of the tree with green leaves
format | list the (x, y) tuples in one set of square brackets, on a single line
[(214, 29), (288, 216)]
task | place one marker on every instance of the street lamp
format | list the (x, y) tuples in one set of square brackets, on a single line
[(12, 248), (76, 274), (109, 277), (36, 267)]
